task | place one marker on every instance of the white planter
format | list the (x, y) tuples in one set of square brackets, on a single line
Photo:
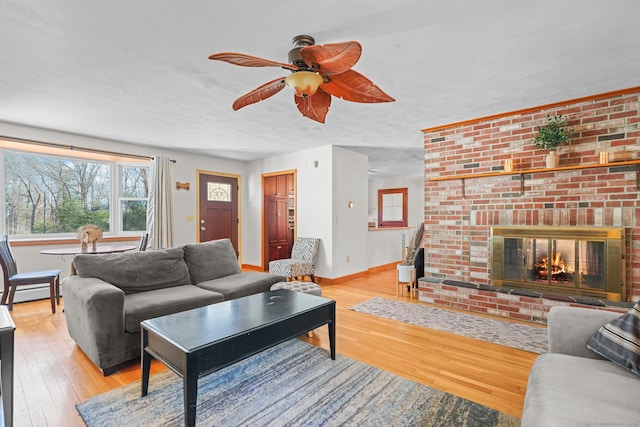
[(552, 159), (406, 273)]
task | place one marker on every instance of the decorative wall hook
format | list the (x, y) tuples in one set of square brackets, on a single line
[(182, 186)]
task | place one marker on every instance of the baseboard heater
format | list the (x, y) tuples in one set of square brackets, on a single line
[(31, 293)]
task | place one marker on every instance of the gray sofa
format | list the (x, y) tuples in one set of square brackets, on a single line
[(573, 386), (112, 293)]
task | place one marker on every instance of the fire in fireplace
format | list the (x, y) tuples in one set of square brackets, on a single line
[(567, 260), (559, 270)]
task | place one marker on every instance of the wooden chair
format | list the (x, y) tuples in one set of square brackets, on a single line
[(144, 241), (13, 279)]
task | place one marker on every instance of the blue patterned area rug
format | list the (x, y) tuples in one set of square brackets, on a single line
[(292, 384), (510, 334)]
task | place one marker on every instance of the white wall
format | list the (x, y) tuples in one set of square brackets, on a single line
[(313, 198), (327, 178), (350, 171), (385, 246)]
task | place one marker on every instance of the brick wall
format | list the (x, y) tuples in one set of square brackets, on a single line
[(457, 227)]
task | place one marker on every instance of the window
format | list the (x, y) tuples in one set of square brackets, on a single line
[(54, 195), (392, 207), (218, 192), (133, 200)]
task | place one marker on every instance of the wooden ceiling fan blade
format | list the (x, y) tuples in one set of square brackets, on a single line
[(260, 93), (332, 58), (245, 60), (353, 86), (315, 106)]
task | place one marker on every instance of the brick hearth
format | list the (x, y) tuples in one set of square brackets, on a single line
[(516, 304)]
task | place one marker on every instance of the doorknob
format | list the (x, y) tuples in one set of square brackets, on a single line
[(203, 228)]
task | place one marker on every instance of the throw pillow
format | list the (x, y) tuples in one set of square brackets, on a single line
[(619, 340)]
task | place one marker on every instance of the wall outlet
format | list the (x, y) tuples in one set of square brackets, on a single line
[(348, 259)]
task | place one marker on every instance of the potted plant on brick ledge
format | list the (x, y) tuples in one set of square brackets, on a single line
[(551, 134)]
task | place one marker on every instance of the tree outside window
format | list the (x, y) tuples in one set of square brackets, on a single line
[(56, 195)]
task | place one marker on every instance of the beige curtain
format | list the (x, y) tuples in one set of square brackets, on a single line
[(160, 205)]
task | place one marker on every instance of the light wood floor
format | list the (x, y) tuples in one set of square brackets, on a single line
[(52, 374)]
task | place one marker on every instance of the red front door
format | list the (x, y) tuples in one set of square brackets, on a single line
[(219, 208)]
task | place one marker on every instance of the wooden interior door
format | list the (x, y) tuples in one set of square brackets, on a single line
[(218, 208), (279, 213), (277, 217)]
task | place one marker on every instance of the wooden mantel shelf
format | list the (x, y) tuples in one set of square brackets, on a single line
[(524, 172)]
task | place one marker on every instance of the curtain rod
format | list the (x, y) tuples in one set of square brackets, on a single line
[(76, 148), (171, 160)]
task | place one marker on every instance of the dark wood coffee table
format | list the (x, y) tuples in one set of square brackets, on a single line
[(196, 342)]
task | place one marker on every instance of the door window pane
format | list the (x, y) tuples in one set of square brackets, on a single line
[(218, 192)]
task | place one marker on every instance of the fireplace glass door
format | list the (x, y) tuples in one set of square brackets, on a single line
[(513, 259), (591, 271), (551, 261), (555, 262), (561, 264)]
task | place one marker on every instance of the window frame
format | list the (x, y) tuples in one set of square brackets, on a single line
[(404, 191), (118, 221), (116, 165)]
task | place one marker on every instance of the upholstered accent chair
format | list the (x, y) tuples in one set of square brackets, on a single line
[(304, 255)]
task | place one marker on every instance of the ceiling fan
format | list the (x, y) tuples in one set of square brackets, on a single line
[(317, 73)]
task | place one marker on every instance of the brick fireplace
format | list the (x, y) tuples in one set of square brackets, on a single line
[(582, 261), (467, 191)]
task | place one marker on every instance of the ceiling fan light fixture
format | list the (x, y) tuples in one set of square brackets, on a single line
[(305, 83), (311, 66)]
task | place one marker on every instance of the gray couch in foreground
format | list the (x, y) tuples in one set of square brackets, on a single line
[(112, 293), (573, 386)]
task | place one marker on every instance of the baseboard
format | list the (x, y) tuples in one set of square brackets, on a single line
[(384, 267), (342, 279), (31, 293), (250, 267), (337, 280)]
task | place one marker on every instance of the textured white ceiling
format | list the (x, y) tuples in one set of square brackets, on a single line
[(137, 71)]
